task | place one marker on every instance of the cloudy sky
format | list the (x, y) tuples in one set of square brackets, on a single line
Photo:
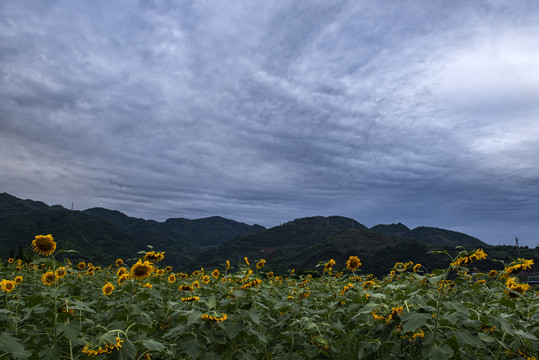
[(420, 112)]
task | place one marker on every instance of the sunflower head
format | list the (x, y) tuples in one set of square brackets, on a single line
[(141, 270), (18, 279), (227, 264), (153, 256), (7, 285), (121, 271), (353, 263), (10, 260), (81, 265), (44, 244), (48, 278), (119, 262), (215, 274), (61, 272), (329, 265), (205, 279), (172, 278), (107, 288), (260, 264), (123, 278)]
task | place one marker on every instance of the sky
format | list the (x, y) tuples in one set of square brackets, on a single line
[(419, 112)]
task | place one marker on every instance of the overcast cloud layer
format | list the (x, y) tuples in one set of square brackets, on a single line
[(423, 112)]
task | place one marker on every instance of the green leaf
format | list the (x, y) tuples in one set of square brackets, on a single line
[(414, 321), (51, 353), (10, 344), (210, 302), (367, 347), (193, 318), (153, 345), (71, 330), (233, 328), (126, 352), (465, 337), (443, 352), (192, 346)]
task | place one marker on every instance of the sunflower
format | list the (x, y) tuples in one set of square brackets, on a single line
[(154, 256), (196, 273), (416, 267), (246, 261), (185, 288), (10, 260), (121, 271), (147, 285), (123, 278), (195, 284), (260, 264), (18, 279), (119, 262), (107, 288), (227, 264), (61, 272), (160, 272), (141, 270), (168, 269), (215, 274), (492, 273), (353, 263), (205, 279), (329, 265), (172, 278), (518, 265), (81, 265), (7, 285), (513, 289), (44, 244), (190, 299), (270, 275), (48, 278)]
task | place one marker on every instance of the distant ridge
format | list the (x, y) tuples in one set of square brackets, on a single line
[(101, 235)]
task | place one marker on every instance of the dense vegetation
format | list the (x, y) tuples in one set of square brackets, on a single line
[(140, 310)]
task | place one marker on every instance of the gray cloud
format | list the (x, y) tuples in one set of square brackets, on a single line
[(424, 113)]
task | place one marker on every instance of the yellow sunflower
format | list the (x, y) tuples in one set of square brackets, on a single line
[(141, 270), (121, 271), (196, 284), (246, 261), (10, 260), (215, 274), (147, 285), (44, 244), (123, 278), (107, 288), (172, 278), (119, 262), (81, 265), (18, 279), (154, 256), (270, 275), (168, 269), (329, 265), (353, 263), (260, 264), (227, 264), (185, 288), (61, 272), (48, 278), (7, 285), (205, 279)]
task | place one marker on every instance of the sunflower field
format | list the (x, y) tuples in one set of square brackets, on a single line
[(135, 309)]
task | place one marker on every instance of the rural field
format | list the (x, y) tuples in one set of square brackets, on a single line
[(136, 309)]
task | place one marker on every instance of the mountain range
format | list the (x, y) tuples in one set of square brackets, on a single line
[(101, 236)]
